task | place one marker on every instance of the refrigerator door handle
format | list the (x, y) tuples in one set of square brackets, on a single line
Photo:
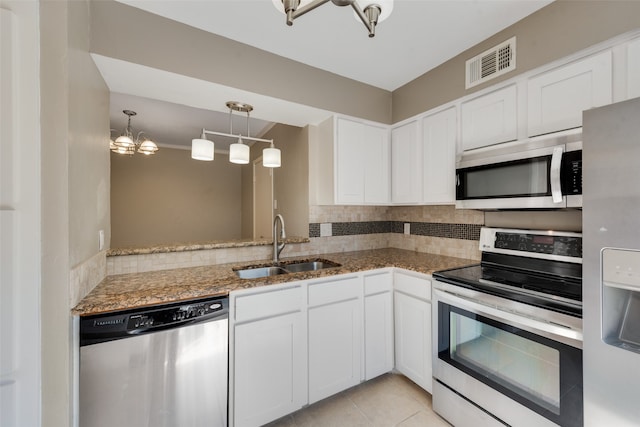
[(554, 174)]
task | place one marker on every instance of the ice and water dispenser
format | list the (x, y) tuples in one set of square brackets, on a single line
[(621, 297)]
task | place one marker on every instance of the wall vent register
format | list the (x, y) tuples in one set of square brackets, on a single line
[(491, 63)]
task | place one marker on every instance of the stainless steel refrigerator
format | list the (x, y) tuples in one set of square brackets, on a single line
[(611, 264)]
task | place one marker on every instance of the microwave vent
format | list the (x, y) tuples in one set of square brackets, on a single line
[(491, 63)]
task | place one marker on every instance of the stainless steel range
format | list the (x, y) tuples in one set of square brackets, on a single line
[(507, 338)]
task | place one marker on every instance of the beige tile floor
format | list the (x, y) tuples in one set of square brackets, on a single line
[(386, 401)]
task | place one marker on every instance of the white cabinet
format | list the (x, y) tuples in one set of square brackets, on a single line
[(489, 119), (361, 162), (268, 360), (439, 138), (378, 323), (412, 307), (406, 164), (557, 98), (334, 336), (633, 69)]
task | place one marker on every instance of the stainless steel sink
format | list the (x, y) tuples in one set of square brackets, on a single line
[(285, 268), (298, 267), (258, 272)]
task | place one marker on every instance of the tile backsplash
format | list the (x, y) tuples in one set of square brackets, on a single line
[(440, 230)]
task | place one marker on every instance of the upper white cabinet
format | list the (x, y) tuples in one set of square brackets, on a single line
[(490, 118), (557, 98), (361, 163), (406, 164), (439, 138), (633, 69)]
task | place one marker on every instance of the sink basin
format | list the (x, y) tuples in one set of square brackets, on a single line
[(298, 267), (285, 268), (258, 272)]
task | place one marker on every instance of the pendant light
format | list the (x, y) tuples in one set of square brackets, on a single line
[(202, 148), (239, 152)]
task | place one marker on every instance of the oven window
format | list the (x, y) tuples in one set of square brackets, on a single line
[(517, 363), (540, 373), (522, 178)]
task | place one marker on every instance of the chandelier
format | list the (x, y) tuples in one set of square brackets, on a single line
[(125, 144), (203, 149), (370, 12)]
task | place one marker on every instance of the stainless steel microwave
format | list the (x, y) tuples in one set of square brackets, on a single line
[(539, 173)]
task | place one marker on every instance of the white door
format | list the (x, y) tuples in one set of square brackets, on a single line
[(375, 158), (489, 119), (262, 201), (557, 98), (269, 369), (406, 164), (349, 164), (439, 157), (413, 338), (20, 218)]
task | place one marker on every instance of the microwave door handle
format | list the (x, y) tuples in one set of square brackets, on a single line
[(554, 174)]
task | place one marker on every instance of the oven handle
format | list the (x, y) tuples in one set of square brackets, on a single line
[(538, 326), (554, 174)]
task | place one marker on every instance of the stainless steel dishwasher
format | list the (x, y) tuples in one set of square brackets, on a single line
[(161, 366)]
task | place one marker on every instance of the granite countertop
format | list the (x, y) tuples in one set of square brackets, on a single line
[(197, 246), (125, 291)]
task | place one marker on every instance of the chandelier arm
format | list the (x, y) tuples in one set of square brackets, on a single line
[(371, 25), (304, 9), (230, 135)]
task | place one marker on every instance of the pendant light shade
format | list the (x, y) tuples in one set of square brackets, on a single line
[(271, 157), (239, 153), (202, 149), (126, 144)]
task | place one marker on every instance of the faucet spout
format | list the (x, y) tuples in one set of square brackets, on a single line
[(278, 247)]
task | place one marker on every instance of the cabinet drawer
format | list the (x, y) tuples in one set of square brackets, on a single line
[(418, 287), (321, 293), (272, 303), (377, 283)]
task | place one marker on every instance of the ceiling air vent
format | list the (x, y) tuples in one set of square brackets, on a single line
[(491, 63)]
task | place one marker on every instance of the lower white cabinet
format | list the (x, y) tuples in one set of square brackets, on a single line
[(269, 357), (334, 336), (378, 324), (412, 310)]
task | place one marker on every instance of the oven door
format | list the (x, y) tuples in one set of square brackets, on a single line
[(526, 179), (520, 367)]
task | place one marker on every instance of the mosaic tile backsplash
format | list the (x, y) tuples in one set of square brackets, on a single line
[(433, 229)]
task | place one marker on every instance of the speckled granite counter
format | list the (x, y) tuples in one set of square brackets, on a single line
[(125, 291), (197, 246)]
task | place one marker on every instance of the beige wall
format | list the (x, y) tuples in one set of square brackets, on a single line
[(130, 34), (75, 172), (291, 180), (171, 198), (555, 31)]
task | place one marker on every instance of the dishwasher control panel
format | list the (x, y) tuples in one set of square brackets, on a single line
[(109, 326)]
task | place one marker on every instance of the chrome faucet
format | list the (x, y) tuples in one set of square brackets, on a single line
[(278, 247)]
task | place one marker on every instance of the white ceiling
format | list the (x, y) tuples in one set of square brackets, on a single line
[(418, 36)]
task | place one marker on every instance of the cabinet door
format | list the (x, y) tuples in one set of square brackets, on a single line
[(439, 157), (378, 334), (375, 156), (490, 119), (269, 369), (349, 162), (557, 98), (413, 339), (378, 324), (406, 164), (334, 348), (633, 69)]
